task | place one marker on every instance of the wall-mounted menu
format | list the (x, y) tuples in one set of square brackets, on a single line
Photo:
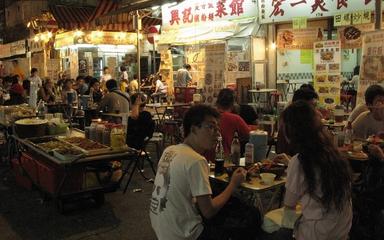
[(327, 67)]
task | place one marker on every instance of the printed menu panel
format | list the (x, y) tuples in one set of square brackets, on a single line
[(327, 69), (372, 62)]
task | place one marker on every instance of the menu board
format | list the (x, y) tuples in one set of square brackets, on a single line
[(208, 67), (327, 67), (372, 63)]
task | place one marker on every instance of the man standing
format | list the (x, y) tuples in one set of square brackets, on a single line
[(35, 84), (114, 101), (182, 186), (105, 77), (183, 77)]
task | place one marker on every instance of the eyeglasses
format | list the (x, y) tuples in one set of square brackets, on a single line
[(210, 126)]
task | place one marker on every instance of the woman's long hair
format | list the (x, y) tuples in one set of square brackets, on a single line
[(320, 160)]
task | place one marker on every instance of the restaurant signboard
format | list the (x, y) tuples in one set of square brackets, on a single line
[(327, 69), (284, 10), (372, 63), (297, 38), (204, 20), (197, 12)]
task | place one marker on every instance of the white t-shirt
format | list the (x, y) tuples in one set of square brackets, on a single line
[(161, 88), (365, 125), (315, 223), (182, 175), (105, 77), (124, 76), (36, 83)]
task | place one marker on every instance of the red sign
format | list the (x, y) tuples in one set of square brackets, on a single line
[(152, 31)]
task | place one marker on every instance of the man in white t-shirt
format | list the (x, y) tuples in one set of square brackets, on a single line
[(181, 189), (104, 78), (183, 77), (35, 85), (371, 122)]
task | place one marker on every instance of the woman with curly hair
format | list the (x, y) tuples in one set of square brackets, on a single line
[(318, 178)]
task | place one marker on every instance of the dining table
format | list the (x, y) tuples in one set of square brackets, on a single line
[(254, 191)]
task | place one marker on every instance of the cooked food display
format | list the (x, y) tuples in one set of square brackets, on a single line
[(69, 151), (323, 90), (333, 78), (326, 56), (334, 90), (352, 33), (334, 67), (84, 143), (287, 37), (319, 45), (321, 78), (53, 145), (321, 67)]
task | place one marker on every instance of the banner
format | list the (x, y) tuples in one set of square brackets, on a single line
[(327, 77), (351, 36), (372, 64), (197, 12), (272, 11), (298, 38)]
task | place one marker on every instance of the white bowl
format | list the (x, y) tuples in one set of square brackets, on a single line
[(267, 178)]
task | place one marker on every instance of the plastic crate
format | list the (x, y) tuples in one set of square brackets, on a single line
[(20, 176), (50, 176)]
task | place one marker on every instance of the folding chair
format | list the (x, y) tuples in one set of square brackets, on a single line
[(138, 164)]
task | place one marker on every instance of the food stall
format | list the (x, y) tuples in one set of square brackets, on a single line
[(71, 166), (86, 53), (216, 40), (299, 29)]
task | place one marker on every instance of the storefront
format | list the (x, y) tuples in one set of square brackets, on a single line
[(299, 30), (217, 40), (86, 53), (14, 51)]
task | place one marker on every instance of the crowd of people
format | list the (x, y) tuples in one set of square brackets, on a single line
[(319, 178)]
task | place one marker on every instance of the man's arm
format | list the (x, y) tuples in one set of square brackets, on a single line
[(209, 207)]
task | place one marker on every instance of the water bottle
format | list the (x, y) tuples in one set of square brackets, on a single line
[(219, 159), (235, 149), (348, 134)]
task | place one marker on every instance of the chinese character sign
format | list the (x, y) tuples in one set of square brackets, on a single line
[(285, 10), (207, 11), (372, 62), (327, 69)]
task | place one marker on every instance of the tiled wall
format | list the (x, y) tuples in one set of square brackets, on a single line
[(305, 76)]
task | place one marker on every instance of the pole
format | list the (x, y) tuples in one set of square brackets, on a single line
[(378, 17), (138, 26), (154, 57)]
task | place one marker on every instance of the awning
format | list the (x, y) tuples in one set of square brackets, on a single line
[(124, 22), (104, 7), (71, 17)]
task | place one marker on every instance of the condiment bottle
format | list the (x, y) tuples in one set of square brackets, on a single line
[(235, 149)]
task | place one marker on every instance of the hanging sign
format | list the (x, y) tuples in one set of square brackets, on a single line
[(327, 71), (284, 10)]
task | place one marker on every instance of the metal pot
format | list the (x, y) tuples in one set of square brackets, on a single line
[(31, 127)]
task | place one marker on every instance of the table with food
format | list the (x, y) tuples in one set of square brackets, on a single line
[(264, 183)]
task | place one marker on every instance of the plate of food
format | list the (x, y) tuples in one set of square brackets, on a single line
[(326, 56), (360, 155)]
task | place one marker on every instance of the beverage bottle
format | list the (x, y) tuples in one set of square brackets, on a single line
[(219, 157), (348, 134), (248, 154), (235, 149)]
